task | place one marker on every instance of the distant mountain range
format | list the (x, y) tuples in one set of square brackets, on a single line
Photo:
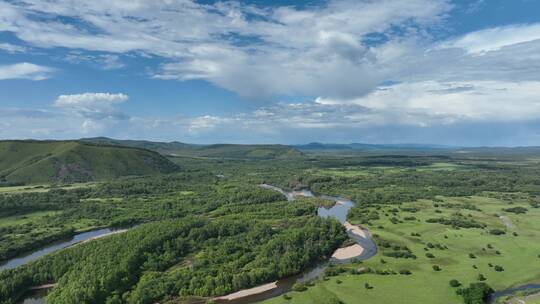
[(216, 150), (101, 158), (360, 146)]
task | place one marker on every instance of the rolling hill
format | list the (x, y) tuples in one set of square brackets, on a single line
[(214, 151), (74, 161)]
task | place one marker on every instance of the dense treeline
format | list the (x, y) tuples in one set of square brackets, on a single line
[(259, 256), (119, 203), (231, 255), (55, 199)]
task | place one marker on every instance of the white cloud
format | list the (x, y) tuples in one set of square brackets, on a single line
[(25, 70), (493, 39), (12, 48), (90, 100), (249, 50), (103, 61), (96, 111), (434, 103)]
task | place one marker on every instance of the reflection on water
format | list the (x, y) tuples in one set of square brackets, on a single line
[(339, 211), (511, 291), (35, 297), (54, 247)]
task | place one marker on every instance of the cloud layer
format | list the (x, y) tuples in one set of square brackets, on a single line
[(367, 70)]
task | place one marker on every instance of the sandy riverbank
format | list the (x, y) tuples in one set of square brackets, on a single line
[(356, 230), (348, 252), (248, 292), (353, 250)]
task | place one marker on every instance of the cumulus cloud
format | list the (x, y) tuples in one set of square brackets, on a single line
[(90, 100), (97, 110), (25, 70), (431, 103)]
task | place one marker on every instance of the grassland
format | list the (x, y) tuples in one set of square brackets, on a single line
[(466, 253)]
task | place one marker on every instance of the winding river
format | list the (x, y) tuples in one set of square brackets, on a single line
[(339, 211), (78, 238), (38, 296)]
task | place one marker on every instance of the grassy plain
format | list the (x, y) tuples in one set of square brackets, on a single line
[(516, 251)]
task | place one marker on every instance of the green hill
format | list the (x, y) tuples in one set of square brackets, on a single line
[(247, 151), (164, 148), (73, 161), (214, 151)]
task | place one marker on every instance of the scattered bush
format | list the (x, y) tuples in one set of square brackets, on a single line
[(299, 287), (454, 283), (516, 210), (405, 272), (497, 232)]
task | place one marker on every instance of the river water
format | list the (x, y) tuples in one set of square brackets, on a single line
[(78, 238), (511, 291), (38, 297), (339, 211)]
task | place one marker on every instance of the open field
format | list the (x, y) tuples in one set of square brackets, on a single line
[(515, 254)]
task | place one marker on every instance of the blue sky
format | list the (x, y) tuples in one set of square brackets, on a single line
[(387, 71)]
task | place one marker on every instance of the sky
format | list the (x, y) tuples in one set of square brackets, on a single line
[(459, 72)]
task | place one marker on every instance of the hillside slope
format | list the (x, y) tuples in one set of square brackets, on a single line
[(165, 148), (72, 161), (214, 151)]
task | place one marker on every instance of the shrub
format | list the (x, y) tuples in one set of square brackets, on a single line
[(498, 268), (405, 272), (472, 256), (497, 232), (430, 255), (481, 277), (436, 268), (454, 283), (517, 210), (299, 287)]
